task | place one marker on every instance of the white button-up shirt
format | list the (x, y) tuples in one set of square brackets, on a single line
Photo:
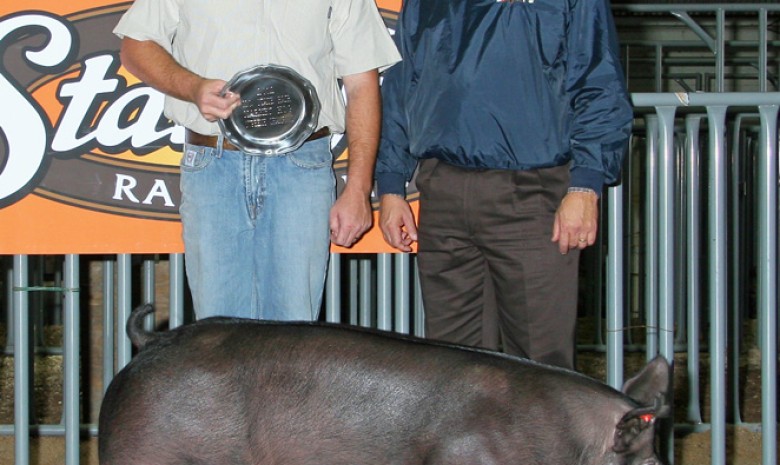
[(322, 40)]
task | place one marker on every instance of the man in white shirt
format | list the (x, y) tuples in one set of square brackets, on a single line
[(256, 227)]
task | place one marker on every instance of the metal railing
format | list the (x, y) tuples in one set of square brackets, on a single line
[(717, 55), (687, 232)]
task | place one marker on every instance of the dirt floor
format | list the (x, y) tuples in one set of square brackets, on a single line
[(743, 444)]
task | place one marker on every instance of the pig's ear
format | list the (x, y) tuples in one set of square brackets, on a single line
[(631, 427), (651, 385)]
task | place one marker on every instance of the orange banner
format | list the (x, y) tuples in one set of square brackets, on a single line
[(88, 162)]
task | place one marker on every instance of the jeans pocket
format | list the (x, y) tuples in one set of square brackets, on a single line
[(196, 158), (313, 155)]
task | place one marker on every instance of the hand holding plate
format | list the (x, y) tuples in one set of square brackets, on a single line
[(279, 110)]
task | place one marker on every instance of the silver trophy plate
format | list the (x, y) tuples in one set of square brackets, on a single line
[(278, 112)]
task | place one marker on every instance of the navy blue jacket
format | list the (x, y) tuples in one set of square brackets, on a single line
[(505, 85)]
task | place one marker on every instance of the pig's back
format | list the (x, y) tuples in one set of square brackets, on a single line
[(274, 390)]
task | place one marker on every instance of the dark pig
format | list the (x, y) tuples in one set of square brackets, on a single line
[(238, 392)]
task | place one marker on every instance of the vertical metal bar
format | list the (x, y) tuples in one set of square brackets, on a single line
[(767, 269), (354, 293), (680, 264), (659, 68), (365, 293), (651, 236), (147, 290), (720, 56), (124, 306), (56, 314), (384, 292), (666, 247), (21, 309), (419, 308), (736, 258), (599, 280), (176, 277), (693, 237), (401, 292), (35, 268), (333, 289), (630, 244), (615, 301), (626, 60), (147, 285), (71, 342), (9, 343), (108, 322), (718, 279), (763, 43), (666, 230)]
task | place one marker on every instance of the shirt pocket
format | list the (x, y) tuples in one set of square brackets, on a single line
[(303, 22)]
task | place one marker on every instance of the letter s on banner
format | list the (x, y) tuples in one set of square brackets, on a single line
[(22, 122)]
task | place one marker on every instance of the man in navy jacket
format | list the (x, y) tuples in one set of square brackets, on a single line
[(515, 115)]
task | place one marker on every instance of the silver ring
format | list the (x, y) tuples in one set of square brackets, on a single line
[(582, 240)]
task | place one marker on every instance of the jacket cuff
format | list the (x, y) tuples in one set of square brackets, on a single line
[(589, 179), (390, 183)]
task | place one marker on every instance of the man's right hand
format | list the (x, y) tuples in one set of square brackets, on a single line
[(210, 101), (396, 220)]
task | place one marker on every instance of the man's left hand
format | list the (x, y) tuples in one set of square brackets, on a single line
[(350, 217), (576, 221)]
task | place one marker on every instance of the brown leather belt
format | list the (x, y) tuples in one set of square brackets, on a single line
[(195, 138)]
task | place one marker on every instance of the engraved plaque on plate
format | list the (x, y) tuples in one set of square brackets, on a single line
[(278, 112)]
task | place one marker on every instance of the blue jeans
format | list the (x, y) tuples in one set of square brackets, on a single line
[(256, 231)]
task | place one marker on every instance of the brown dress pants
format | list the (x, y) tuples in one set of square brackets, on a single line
[(487, 264)]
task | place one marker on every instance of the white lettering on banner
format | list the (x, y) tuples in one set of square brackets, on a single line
[(21, 119), (144, 130), (125, 185), (82, 95), (99, 109), (160, 189), (124, 188)]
